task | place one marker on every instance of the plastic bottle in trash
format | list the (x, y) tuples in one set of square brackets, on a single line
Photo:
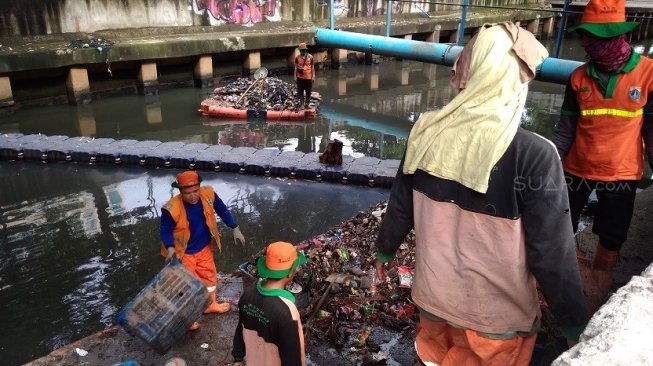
[(338, 234), (372, 288)]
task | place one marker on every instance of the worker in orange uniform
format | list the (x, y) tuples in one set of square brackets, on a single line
[(188, 227), (488, 203), (269, 331), (304, 74), (606, 125)]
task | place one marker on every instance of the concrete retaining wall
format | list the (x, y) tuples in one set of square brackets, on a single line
[(34, 17)]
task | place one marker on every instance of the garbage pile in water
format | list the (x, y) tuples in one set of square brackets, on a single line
[(353, 307), (350, 317), (269, 93)]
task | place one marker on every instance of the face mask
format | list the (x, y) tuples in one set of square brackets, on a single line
[(609, 54)]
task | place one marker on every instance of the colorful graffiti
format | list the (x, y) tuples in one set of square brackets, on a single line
[(246, 12)]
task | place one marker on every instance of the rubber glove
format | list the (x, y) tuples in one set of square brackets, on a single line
[(171, 253), (238, 236)]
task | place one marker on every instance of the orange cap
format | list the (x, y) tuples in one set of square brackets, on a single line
[(605, 19), (280, 259), (188, 178), (604, 11)]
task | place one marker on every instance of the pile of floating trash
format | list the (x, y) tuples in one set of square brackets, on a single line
[(360, 314), (358, 303), (262, 98)]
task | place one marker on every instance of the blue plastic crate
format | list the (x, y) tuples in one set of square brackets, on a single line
[(164, 309)]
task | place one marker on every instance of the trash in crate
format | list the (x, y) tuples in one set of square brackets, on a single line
[(164, 309)]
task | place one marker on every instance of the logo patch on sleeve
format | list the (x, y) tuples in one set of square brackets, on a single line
[(635, 92)]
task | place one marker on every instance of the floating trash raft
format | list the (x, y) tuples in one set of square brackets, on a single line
[(259, 98)]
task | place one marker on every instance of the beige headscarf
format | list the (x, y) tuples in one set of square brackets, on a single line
[(465, 139)]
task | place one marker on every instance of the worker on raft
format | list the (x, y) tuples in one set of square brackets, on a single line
[(304, 75)]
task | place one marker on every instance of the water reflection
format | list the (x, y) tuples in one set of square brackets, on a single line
[(77, 248)]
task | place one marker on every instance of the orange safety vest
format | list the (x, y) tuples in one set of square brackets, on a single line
[(608, 145), (307, 63), (181, 232)]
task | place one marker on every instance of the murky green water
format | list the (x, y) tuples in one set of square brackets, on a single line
[(77, 242)]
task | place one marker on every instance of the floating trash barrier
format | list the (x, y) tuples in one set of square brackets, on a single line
[(260, 97), (269, 162)]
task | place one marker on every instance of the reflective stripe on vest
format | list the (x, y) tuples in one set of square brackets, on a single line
[(612, 112)]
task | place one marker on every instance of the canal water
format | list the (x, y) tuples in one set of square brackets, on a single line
[(78, 241)]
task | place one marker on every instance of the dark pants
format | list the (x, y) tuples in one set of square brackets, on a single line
[(304, 86), (615, 208)]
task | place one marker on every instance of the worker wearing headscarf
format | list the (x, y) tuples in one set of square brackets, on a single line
[(488, 204)]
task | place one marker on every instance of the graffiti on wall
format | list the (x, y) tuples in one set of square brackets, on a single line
[(368, 8), (245, 12)]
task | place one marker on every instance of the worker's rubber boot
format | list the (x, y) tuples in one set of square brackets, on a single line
[(597, 279), (215, 307), (194, 326)]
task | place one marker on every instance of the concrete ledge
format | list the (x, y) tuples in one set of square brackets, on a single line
[(53, 51), (620, 333)]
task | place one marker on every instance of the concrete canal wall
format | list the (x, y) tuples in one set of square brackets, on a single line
[(39, 17), (79, 49), (156, 154)]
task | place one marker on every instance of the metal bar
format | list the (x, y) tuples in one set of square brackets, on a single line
[(388, 18), (561, 29), (463, 19), (551, 70), (332, 17)]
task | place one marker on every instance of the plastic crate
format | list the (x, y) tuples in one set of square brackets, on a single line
[(164, 309)]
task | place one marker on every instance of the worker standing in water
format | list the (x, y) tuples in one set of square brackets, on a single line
[(488, 203)]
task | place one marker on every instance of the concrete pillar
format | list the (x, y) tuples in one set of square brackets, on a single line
[(435, 36), (404, 75), (372, 77), (534, 25), (86, 125), (6, 96), (428, 70), (547, 27), (203, 72), (408, 36), (77, 85), (252, 62), (338, 56), (320, 58), (148, 79)]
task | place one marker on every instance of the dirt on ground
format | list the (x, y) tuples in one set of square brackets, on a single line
[(348, 331)]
